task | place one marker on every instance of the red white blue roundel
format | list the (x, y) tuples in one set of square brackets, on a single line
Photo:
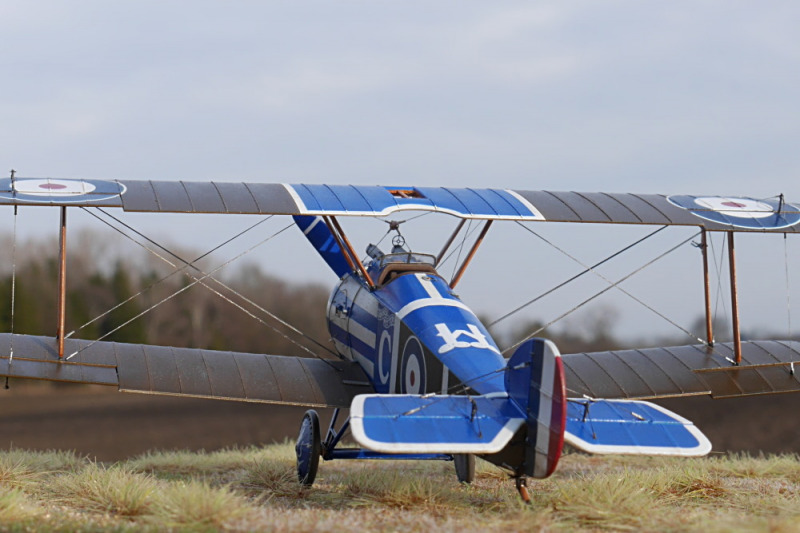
[(413, 375), (740, 212), (44, 190)]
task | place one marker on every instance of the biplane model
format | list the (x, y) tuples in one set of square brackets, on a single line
[(420, 374)]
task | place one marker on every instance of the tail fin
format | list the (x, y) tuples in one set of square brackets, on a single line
[(534, 380)]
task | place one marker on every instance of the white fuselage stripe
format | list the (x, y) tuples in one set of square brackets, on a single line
[(429, 302), (312, 225), (361, 333), (366, 364), (427, 283)]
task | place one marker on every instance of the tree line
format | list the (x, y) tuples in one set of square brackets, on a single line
[(124, 296), (129, 296)]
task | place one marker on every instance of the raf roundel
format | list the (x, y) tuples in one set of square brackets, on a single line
[(46, 187), (413, 368), (44, 191), (749, 213)]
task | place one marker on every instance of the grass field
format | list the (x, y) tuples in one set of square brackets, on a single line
[(254, 489)]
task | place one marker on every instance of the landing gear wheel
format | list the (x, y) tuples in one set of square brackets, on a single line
[(308, 449), (465, 467)]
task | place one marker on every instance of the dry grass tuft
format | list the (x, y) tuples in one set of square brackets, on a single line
[(117, 490), (16, 472), (611, 500), (49, 461), (255, 489), (16, 509), (196, 505), (271, 478)]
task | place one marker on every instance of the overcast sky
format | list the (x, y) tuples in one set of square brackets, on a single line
[(618, 96)]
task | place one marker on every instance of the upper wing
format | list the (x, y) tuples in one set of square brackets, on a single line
[(767, 367), (186, 371), (710, 212)]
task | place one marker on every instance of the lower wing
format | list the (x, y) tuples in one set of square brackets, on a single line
[(185, 371), (767, 367)]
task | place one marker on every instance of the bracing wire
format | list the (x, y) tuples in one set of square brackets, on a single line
[(616, 285), (182, 289), (575, 277), (223, 285), (720, 300), (200, 281), (612, 286), (460, 249), (176, 270)]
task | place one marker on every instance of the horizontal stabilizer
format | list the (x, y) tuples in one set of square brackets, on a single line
[(433, 424), (632, 428)]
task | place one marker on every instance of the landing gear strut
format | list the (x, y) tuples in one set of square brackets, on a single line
[(308, 449)]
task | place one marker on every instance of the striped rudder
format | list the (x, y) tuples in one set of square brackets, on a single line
[(534, 380)]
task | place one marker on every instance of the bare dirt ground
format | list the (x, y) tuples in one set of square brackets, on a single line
[(108, 425)]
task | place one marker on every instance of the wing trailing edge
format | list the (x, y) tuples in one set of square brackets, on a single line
[(675, 371), (715, 213), (186, 371)]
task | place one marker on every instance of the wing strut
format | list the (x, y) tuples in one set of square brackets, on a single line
[(450, 241), (474, 249), (347, 249), (62, 281), (707, 288), (737, 338)]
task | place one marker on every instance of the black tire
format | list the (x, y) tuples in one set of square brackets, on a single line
[(308, 449), (465, 467)]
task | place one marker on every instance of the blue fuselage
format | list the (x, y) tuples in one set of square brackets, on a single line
[(413, 335)]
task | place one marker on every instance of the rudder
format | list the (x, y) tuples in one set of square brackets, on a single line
[(534, 379)]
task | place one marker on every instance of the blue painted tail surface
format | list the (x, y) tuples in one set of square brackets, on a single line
[(433, 424), (631, 427), (534, 379)]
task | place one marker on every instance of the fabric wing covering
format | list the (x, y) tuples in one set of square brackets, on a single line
[(186, 371), (710, 212)]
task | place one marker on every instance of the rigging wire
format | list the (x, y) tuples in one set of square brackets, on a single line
[(160, 280), (718, 266), (460, 248), (225, 286), (573, 278), (182, 289), (200, 280), (601, 276), (611, 286)]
